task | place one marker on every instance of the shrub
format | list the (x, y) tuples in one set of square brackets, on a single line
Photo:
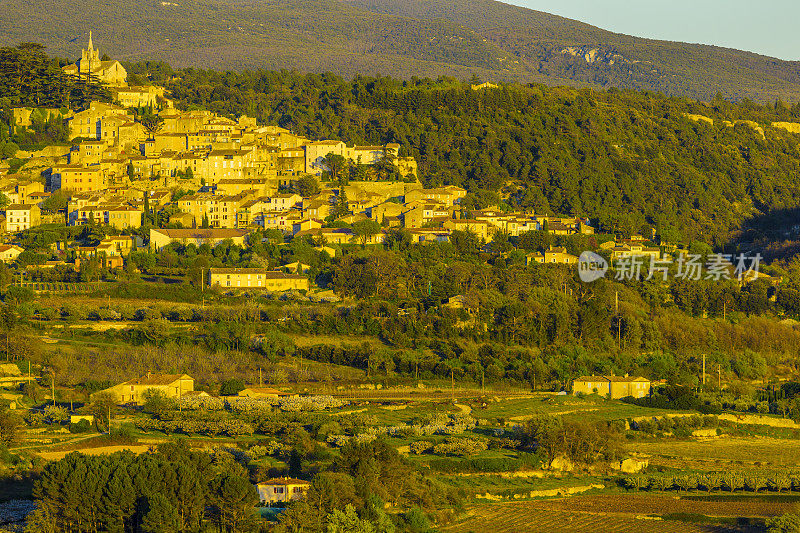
[(126, 312), (484, 464), (181, 314), (55, 414), (146, 313), (9, 422), (82, 426), (460, 446), (108, 314), (421, 446), (74, 312), (231, 387), (34, 418)]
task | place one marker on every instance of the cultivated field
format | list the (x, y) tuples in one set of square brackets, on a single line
[(722, 453), (626, 513)]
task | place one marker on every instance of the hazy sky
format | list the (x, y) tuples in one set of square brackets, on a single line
[(767, 27)]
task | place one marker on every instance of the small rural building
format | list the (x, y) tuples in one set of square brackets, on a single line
[(555, 255), (20, 217), (263, 392), (196, 394), (329, 235), (256, 278), (124, 217), (625, 251), (172, 385), (282, 489), (9, 253), (75, 419), (614, 387)]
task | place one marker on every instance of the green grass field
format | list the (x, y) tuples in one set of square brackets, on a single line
[(590, 408)]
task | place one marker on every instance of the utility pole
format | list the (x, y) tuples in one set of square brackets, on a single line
[(452, 385), (53, 387), (719, 376), (619, 320), (260, 378), (704, 370)]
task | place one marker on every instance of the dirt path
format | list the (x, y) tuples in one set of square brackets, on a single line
[(50, 445), (466, 409)]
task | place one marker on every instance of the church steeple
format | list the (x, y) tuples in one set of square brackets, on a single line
[(91, 48)]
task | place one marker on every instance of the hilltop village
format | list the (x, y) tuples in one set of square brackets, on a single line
[(195, 176)]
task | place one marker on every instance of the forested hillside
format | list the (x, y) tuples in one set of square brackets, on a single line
[(694, 171), (623, 158), (457, 38)]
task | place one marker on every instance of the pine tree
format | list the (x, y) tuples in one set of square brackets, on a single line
[(341, 208), (146, 208), (161, 515)]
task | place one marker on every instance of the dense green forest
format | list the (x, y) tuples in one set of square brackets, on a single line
[(178, 489), (535, 324), (397, 38)]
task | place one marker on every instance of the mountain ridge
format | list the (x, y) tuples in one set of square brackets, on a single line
[(423, 38)]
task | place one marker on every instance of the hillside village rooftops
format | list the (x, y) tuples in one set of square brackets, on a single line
[(250, 203), (325, 231), (614, 379), (268, 390), (467, 221), (145, 90), (227, 152), (268, 274), (242, 181), (76, 166), (158, 379), (284, 481)]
